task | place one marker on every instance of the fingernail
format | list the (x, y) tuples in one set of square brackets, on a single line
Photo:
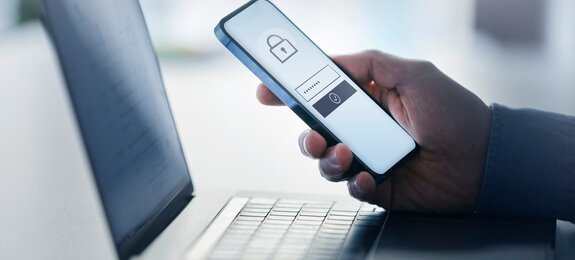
[(354, 188), (303, 139), (332, 159)]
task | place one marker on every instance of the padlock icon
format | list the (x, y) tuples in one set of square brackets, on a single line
[(281, 48)]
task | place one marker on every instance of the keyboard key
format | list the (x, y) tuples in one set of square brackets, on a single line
[(329, 240), (338, 217), (333, 231), (250, 218), (312, 218), (343, 213), (260, 210), (286, 209), (322, 253), (308, 222), (263, 243), (328, 246), (272, 231), (253, 214), (266, 226), (299, 239), (269, 235), (283, 213), (278, 222), (289, 256), (293, 247), (274, 217), (296, 252), (302, 231), (331, 235), (250, 213), (313, 213), (304, 227), (338, 222)]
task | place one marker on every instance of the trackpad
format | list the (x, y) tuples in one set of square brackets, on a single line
[(416, 237)]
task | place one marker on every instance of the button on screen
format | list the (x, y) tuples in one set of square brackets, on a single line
[(334, 98)]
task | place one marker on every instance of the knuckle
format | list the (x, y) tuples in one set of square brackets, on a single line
[(373, 52), (422, 66)]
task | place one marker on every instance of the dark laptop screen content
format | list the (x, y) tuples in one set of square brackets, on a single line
[(121, 106)]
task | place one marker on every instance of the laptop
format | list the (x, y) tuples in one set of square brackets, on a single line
[(152, 208)]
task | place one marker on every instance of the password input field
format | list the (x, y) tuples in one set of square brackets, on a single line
[(318, 82)]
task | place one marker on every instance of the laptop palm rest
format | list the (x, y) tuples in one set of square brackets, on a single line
[(421, 237)]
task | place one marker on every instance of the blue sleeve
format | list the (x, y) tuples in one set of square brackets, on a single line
[(530, 166)]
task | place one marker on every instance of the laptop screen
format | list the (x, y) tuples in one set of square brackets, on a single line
[(123, 113)]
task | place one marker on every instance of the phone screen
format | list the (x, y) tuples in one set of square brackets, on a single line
[(315, 82)]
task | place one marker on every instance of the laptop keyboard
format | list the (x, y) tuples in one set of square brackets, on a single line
[(293, 229)]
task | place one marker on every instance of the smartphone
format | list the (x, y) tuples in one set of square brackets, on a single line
[(324, 96)]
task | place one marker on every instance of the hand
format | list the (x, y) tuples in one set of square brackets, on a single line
[(450, 124)]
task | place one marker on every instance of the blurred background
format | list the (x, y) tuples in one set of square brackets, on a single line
[(520, 53)]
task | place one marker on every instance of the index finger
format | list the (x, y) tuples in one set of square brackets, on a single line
[(385, 70)]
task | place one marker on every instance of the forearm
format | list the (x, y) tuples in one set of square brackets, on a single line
[(530, 166)]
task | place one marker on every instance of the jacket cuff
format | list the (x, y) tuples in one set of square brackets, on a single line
[(530, 165)]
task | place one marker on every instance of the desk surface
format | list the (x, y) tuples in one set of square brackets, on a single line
[(50, 207)]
